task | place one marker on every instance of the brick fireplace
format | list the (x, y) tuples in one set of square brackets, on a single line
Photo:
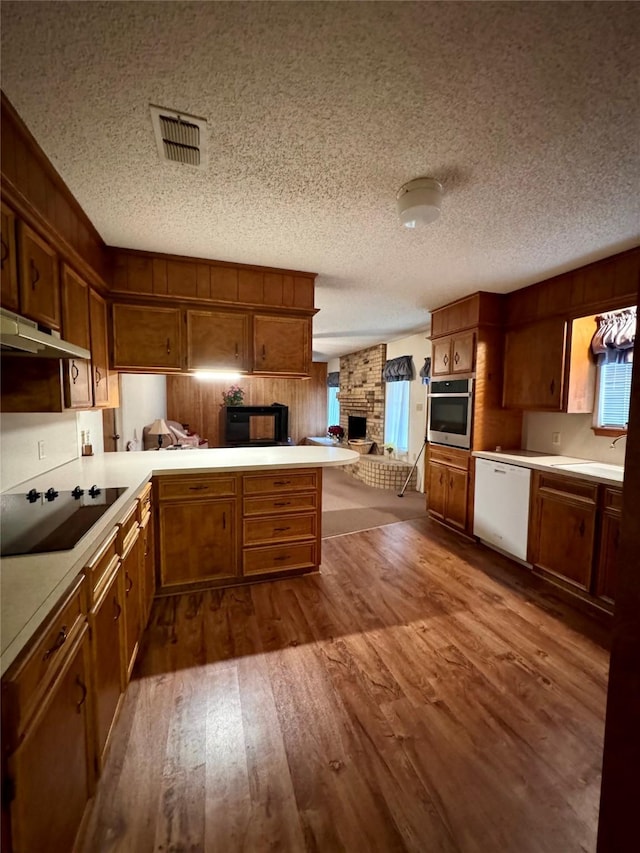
[(362, 391)]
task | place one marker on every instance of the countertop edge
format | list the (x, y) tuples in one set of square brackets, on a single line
[(541, 464)]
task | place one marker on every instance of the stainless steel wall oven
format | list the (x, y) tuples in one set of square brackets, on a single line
[(450, 405)]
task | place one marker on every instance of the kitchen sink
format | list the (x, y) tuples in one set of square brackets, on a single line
[(595, 469)]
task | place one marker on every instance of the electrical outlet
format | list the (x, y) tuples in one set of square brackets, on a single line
[(41, 453), (419, 407), (555, 439)]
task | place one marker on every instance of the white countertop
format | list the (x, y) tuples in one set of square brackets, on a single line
[(31, 585), (584, 469)]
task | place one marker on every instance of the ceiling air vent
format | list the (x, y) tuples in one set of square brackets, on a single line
[(180, 137)]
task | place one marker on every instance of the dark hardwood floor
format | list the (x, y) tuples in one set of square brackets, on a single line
[(420, 694)]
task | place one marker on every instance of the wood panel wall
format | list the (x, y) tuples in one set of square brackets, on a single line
[(197, 402), (31, 185)]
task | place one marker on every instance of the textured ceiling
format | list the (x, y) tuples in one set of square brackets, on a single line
[(317, 114)]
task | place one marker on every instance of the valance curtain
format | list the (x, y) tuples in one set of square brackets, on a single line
[(398, 369), (425, 371), (614, 337), (333, 379)]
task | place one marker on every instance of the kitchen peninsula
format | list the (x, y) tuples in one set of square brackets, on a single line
[(31, 585)]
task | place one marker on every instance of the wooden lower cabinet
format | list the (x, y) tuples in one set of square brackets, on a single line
[(562, 528), (448, 485), (148, 553), (198, 529), (606, 575), (219, 530), (49, 777)]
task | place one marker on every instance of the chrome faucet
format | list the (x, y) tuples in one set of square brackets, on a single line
[(616, 440)]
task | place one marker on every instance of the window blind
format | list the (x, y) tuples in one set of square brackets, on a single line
[(615, 394)]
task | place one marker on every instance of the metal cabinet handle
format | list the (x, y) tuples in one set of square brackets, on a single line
[(264, 351), (445, 360), (98, 376), (279, 559), (168, 346), (82, 687), (74, 372), (198, 488), (282, 503), (129, 583), (451, 483), (282, 482), (224, 520), (456, 358), (280, 529), (4, 253), (61, 639), (581, 528), (616, 538), (117, 609), (35, 274), (552, 386), (441, 476), (237, 351)]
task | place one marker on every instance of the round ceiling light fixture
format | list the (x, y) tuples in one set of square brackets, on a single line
[(419, 202)]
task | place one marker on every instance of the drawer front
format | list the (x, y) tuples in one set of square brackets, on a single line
[(283, 481), (101, 565), (450, 456), (260, 561), (613, 499), (581, 489), (128, 523), (24, 685), (280, 504), (174, 488), (262, 530), (144, 503)]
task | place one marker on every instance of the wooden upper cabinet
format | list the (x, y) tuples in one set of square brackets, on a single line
[(548, 366), (479, 309), (281, 345), (39, 280), (147, 338), (454, 354), (99, 350), (217, 341), (8, 261), (78, 390)]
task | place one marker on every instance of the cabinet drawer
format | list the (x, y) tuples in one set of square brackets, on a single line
[(283, 481), (126, 529), (262, 530), (101, 565), (449, 456), (612, 499), (280, 504), (256, 561), (172, 488), (25, 684), (144, 503), (580, 489)]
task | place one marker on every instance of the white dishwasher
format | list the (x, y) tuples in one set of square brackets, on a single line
[(501, 506)]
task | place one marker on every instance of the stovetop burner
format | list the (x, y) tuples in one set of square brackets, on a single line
[(41, 522)]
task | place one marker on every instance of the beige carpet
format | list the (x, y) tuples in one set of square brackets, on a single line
[(348, 505)]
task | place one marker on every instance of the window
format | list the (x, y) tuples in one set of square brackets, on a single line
[(333, 407), (614, 394), (396, 416)]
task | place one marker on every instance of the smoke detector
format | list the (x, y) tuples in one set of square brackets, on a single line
[(419, 202), (180, 137)]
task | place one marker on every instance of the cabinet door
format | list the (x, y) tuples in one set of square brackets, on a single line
[(217, 341), (197, 541), (39, 281), (437, 489), (463, 351), (99, 349), (564, 538), (607, 562), (441, 355), (51, 767), (534, 365), (8, 261), (282, 345), (78, 389), (107, 648), (131, 593), (148, 567), (456, 505), (147, 338)]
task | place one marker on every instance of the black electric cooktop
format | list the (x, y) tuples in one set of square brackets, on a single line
[(40, 522)]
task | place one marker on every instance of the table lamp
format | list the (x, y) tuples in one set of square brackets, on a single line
[(159, 427)]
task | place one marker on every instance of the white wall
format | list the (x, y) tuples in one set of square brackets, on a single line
[(20, 434), (143, 398), (576, 437), (419, 347)]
